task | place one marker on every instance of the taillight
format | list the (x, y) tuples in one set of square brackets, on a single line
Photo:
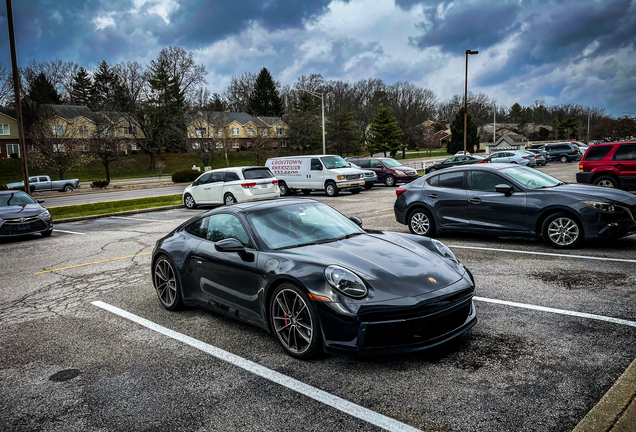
[(482, 161), (248, 185), (581, 166), (536, 156), (274, 182), (399, 192), (526, 157), (573, 151)]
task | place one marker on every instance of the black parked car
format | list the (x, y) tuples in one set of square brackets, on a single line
[(315, 278), (454, 161), (20, 214), (511, 199), (562, 152)]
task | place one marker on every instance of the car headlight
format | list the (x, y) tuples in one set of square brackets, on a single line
[(602, 206), (1, 222), (345, 281), (443, 250), (45, 215)]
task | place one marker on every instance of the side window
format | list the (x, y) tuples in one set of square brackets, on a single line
[(452, 180), (33, 179), (231, 176), (316, 165), (485, 181), (363, 163), (43, 179), (494, 156), (198, 228), (205, 178), (433, 181), (225, 226), (625, 152), (597, 153), (376, 164), (218, 176)]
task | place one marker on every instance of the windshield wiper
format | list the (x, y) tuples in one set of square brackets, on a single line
[(349, 235), (306, 244)]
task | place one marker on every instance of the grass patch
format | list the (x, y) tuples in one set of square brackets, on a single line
[(80, 210)]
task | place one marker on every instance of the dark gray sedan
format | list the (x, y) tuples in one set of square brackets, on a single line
[(20, 214), (510, 199)]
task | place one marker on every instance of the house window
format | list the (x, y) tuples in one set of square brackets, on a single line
[(235, 145), (4, 129), (280, 132), (235, 131), (201, 132), (219, 145), (250, 132), (83, 130), (87, 148), (59, 147), (135, 147), (58, 130), (13, 149), (283, 144), (264, 132), (196, 146), (219, 132), (130, 130)]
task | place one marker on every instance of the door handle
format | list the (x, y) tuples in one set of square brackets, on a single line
[(475, 200), (618, 165), (206, 188), (433, 196)]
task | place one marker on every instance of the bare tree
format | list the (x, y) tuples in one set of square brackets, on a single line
[(223, 139), (262, 143), (203, 130), (238, 93), (182, 67), (6, 85)]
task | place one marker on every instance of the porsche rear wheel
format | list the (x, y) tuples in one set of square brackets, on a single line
[(294, 321)]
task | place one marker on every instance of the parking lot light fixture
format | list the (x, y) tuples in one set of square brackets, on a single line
[(322, 103), (468, 52)]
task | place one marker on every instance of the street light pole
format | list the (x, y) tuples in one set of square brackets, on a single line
[(322, 103), (468, 52), (16, 92)]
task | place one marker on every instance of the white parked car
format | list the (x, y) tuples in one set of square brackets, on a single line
[(321, 172), (231, 185), (461, 153)]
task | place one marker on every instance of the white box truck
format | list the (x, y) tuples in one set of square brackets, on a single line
[(313, 173)]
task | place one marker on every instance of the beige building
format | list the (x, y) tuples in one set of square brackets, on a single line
[(9, 138)]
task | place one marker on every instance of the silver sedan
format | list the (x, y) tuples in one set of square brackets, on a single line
[(520, 157)]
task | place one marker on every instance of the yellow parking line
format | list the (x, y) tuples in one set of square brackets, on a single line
[(380, 211), (95, 262)]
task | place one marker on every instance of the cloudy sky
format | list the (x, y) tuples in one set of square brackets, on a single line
[(559, 51)]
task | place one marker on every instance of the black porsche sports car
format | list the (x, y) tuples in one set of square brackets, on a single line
[(316, 279)]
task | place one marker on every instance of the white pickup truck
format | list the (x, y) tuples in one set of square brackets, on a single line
[(44, 183)]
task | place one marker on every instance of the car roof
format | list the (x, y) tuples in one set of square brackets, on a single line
[(487, 167)]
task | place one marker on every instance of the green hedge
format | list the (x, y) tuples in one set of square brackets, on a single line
[(100, 184), (185, 176)]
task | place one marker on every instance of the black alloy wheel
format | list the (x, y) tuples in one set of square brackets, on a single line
[(562, 231), (282, 187), (294, 320), (166, 283), (188, 200), (331, 189), (421, 222), (229, 199), (606, 181), (389, 180)]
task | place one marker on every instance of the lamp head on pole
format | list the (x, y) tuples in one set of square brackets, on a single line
[(470, 52)]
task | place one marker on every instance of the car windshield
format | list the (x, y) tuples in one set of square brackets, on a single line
[(353, 165), (532, 179), (333, 162), (15, 200), (301, 224), (390, 163)]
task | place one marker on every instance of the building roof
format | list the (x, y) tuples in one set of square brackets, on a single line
[(271, 121), (214, 117), (71, 112), (9, 112), (508, 139)]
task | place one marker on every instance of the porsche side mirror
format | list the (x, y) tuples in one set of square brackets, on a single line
[(356, 220), (40, 201), (229, 245), (504, 189)]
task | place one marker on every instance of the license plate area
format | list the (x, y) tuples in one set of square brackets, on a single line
[(23, 227), (264, 186)]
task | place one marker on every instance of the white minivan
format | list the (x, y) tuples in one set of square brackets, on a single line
[(311, 173), (231, 185)]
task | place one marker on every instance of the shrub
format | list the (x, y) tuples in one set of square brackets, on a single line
[(100, 184), (133, 151), (185, 176), (3, 187), (13, 156)]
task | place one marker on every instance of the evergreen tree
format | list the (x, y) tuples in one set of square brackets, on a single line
[(265, 99), (456, 142), (42, 92), (107, 89), (385, 134), (82, 88), (304, 124), (218, 104), (342, 132)]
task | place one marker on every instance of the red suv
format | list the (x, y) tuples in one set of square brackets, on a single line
[(610, 165)]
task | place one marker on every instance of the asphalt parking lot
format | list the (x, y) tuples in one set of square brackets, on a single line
[(555, 331)]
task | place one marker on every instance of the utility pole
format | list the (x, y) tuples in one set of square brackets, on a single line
[(588, 126), (322, 102), (468, 52), (16, 92), (494, 124)]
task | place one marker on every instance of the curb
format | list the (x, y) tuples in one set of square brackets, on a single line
[(124, 213), (616, 411)]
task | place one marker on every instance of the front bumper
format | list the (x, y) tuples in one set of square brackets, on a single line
[(26, 228), (348, 185), (601, 225)]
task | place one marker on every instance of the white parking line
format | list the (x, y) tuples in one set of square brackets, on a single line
[(138, 219), (545, 253), (67, 232), (558, 311), (336, 402)]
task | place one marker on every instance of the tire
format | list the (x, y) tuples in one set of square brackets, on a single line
[(421, 222), (431, 170), (306, 191), (331, 189), (47, 233), (355, 191), (284, 190), (166, 283), (562, 231), (563, 159), (300, 336), (606, 181), (229, 199), (68, 188), (390, 181), (188, 201), (368, 186)]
